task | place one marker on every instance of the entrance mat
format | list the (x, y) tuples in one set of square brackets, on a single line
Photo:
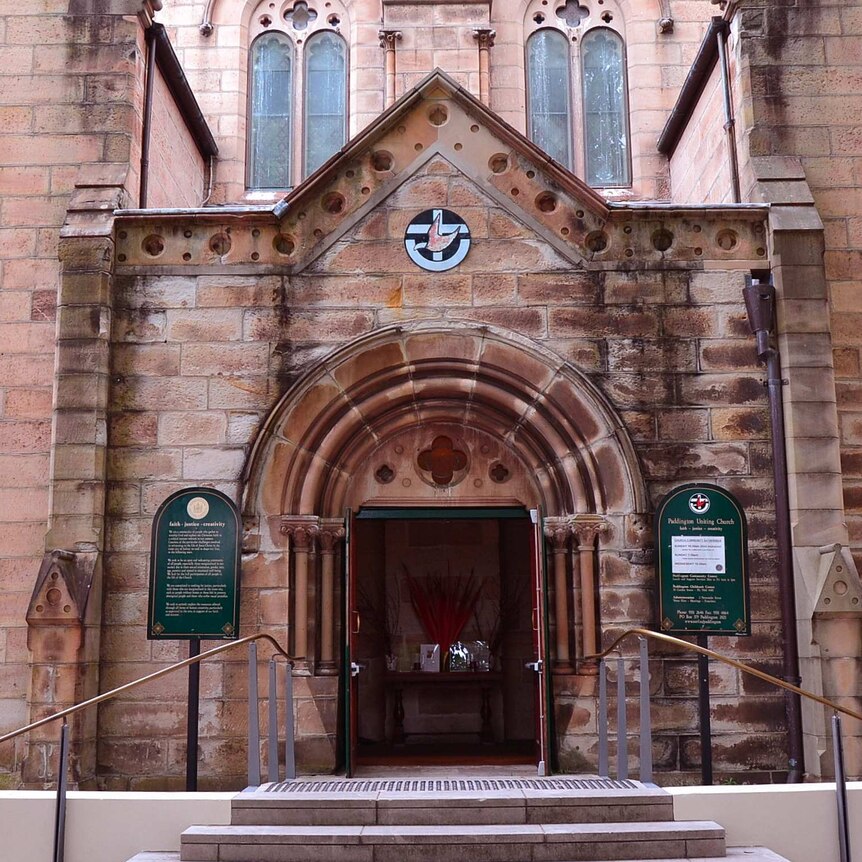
[(445, 785)]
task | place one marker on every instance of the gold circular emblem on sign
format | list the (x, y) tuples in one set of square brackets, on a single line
[(198, 508)]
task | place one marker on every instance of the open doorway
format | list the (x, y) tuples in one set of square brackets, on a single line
[(464, 578)]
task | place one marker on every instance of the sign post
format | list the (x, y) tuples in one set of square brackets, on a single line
[(194, 584), (702, 571)]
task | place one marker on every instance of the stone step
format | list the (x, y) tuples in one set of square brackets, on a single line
[(734, 854), (549, 842), (385, 808)]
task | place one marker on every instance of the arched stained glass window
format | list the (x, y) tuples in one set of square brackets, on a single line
[(271, 108), (606, 132), (325, 127), (549, 94)]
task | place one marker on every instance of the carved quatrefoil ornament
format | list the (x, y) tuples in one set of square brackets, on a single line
[(443, 461)]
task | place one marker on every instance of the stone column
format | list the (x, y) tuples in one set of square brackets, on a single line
[(388, 38), (65, 613), (331, 533), (558, 531), (587, 528), (485, 38), (829, 664), (302, 532)]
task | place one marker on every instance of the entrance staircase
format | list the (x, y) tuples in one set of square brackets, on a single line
[(456, 820)]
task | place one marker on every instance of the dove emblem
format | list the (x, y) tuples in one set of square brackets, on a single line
[(437, 240)]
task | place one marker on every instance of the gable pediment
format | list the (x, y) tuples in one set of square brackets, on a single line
[(373, 239), (440, 124)]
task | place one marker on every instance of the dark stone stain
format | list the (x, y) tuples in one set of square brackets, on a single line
[(761, 528), (760, 459), (754, 713), (853, 497), (564, 714), (749, 423), (751, 685)]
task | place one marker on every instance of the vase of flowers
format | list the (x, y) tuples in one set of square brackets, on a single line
[(443, 605)]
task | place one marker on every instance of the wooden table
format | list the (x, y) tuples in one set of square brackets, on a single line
[(396, 682)]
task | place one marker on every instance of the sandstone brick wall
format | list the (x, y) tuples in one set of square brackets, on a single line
[(191, 384), (699, 166), (70, 94), (177, 172), (805, 70), (436, 37), (201, 356)]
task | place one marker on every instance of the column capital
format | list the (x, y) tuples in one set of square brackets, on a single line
[(485, 37), (331, 533), (302, 529), (587, 528), (388, 38), (558, 531)]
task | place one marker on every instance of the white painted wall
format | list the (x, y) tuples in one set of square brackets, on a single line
[(103, 827), (798, 822)]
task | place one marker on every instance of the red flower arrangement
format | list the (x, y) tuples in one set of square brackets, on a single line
[(443, 604)]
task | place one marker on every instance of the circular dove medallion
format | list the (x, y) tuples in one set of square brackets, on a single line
[(698, 503), (437, 240)]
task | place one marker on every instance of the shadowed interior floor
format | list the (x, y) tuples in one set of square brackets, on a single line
[(445, 754)]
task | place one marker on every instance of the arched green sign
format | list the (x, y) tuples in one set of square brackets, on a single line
[(702, 562), (195, 567)]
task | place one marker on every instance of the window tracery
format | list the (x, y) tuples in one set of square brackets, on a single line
[(577, 97), (572, 12), (297, 116), (299, 16)]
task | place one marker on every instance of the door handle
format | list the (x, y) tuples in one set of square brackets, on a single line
[(534, 619), (357, 623), (534, 665), (355, 668)]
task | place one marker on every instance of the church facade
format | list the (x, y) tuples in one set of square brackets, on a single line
[(441, 294)]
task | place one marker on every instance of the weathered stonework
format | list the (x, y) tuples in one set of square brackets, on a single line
[(590, 353), (210, 343)]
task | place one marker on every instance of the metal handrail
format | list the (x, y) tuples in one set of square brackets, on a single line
[(145, 679), (645, 731), (766, 677)]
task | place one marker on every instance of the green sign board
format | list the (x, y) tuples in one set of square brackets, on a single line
[(195, 567), (702, 564)]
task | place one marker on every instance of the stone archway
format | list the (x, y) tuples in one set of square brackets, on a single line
[(318, 453), (553, 418)]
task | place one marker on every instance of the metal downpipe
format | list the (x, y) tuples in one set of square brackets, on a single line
[(148, 118), (729, 121), (760, 303)]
